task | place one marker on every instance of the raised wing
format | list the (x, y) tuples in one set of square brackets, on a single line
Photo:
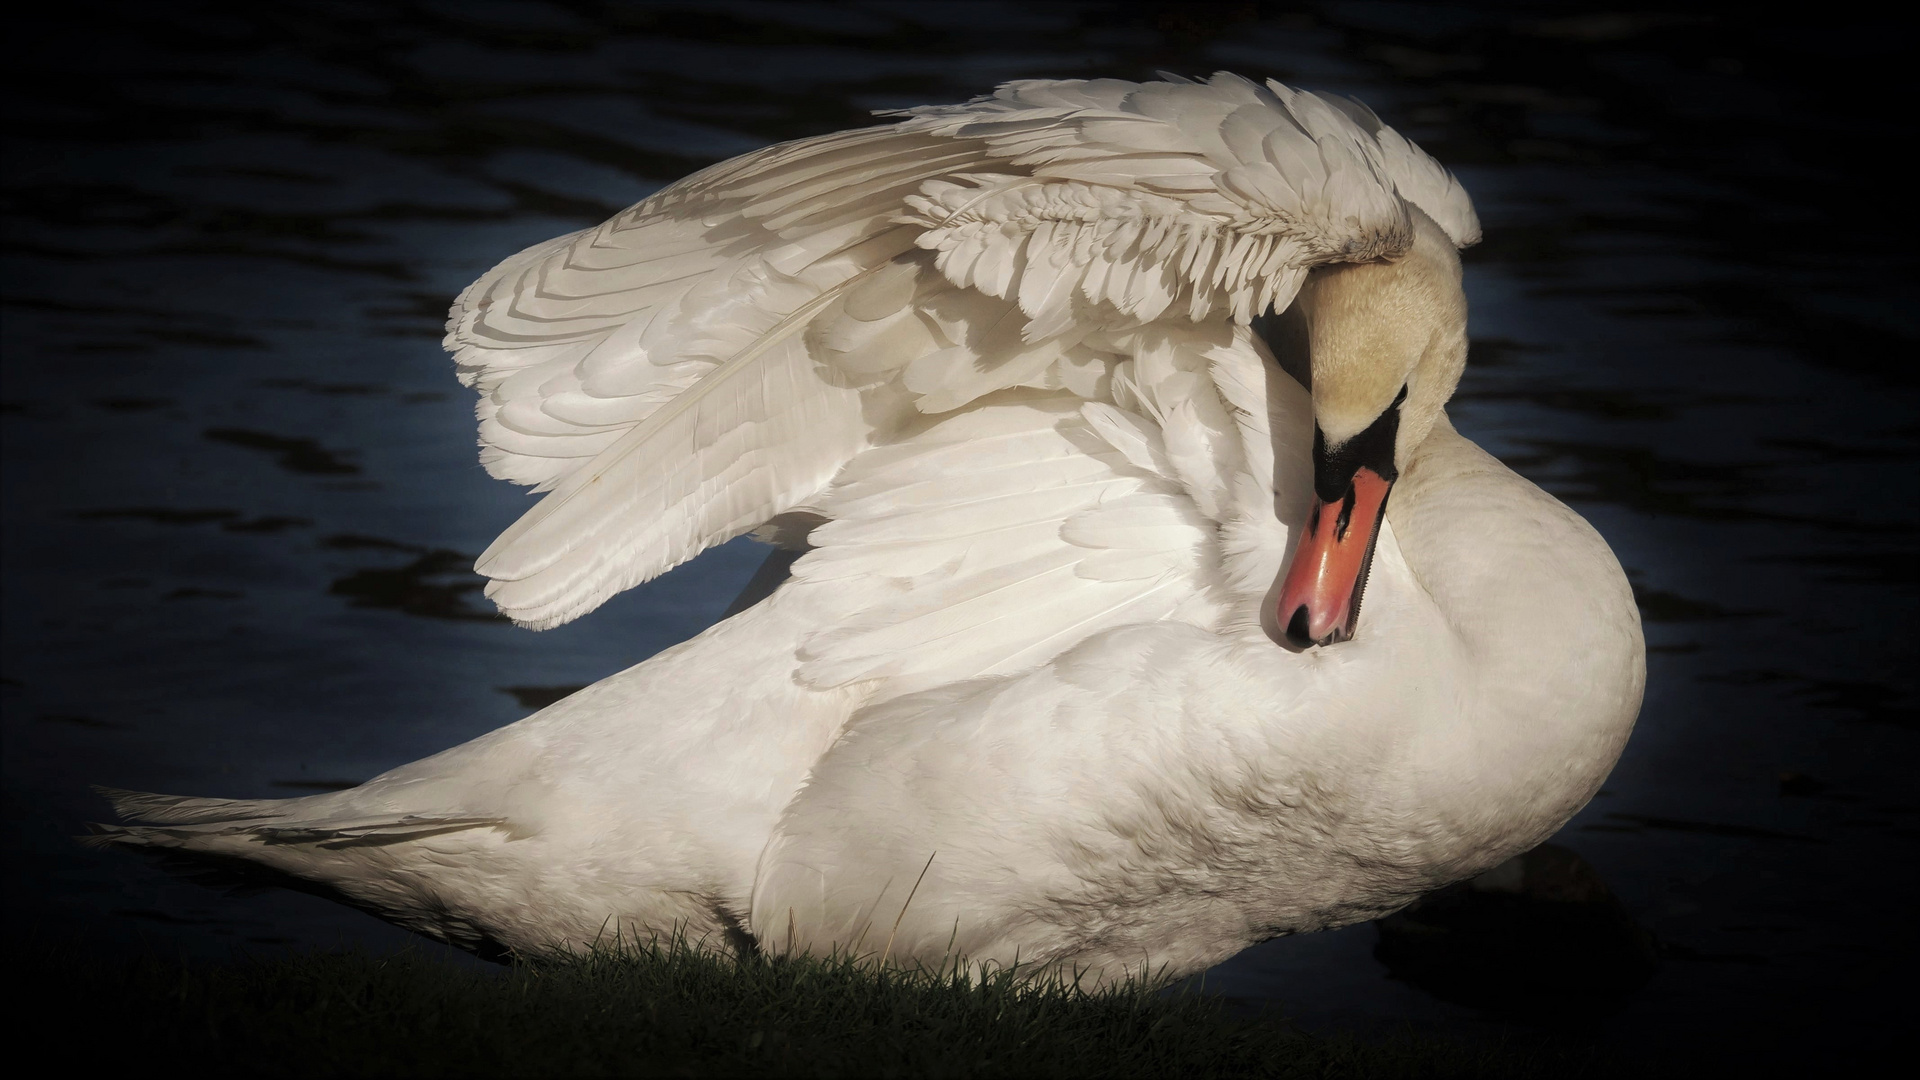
[(651, 375), (715, 355), (1179, 199)]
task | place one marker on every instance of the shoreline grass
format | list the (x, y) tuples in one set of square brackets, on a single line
[(666, 1009)]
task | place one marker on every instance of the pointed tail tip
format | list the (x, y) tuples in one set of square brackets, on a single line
[(126, 804), (99, 835), (135, 808)]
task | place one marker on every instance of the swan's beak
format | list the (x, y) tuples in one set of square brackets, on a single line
[(1320, 597)]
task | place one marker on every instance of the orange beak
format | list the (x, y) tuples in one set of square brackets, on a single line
[(1320, 597)]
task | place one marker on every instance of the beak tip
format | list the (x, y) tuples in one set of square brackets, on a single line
[(1299, 637), (1319, 596), (1296, 632)]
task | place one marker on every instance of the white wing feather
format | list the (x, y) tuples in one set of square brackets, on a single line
[(719, 353), (993, 540), (753, 435)]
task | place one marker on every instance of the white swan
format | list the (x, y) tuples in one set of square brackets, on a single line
[(1038, 689)]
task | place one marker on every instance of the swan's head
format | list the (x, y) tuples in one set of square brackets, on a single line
[(1387, 342)]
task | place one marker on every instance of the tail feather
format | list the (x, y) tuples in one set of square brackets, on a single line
[(244, 845), (146, 808), (175, 821)]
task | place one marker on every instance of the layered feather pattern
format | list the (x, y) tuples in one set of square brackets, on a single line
[(717, 354), (1172, 198), (995, 539)]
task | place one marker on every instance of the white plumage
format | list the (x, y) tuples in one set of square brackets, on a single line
[(671, 341), (992, 365)]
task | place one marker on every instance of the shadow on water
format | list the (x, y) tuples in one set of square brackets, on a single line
[(230, 520), (1539, 937), (239, 479), (293, 455), (435, 584), (535, 698)]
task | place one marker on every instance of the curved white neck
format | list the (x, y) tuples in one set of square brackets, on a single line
[(1543, 611)]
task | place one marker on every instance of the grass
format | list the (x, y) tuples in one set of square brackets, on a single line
[(669, 1010)]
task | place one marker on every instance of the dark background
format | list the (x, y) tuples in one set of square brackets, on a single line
[(241, 499)]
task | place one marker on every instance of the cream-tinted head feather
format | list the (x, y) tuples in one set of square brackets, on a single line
[(1376, 327)]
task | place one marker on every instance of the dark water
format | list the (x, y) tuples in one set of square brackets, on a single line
[(241, 496)]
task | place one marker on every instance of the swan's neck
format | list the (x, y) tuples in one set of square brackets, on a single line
[(1543, 619)]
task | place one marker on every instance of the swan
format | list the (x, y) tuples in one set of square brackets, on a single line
[(1076, 409)]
